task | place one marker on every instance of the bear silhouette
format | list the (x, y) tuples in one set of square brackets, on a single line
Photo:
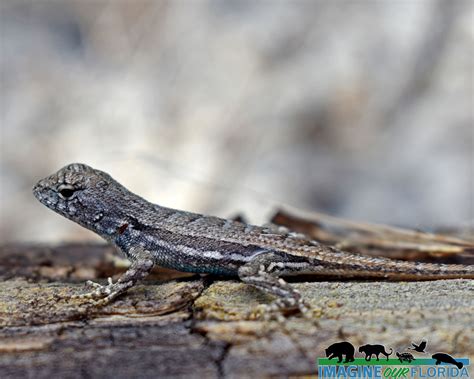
[(339, 349), (376, 350)]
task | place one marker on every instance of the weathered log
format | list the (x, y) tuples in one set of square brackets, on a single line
[(176, 325)]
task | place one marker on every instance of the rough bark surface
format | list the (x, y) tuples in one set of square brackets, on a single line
[(176, 325)]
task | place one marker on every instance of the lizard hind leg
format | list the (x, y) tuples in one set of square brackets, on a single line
[(263, 272)]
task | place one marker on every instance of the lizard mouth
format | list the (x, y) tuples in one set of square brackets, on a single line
[(44, 194), (37, 189)]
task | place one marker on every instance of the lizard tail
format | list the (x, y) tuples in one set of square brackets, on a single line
[(357, 265)]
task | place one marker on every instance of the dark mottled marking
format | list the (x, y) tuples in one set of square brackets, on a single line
[(122, 228)]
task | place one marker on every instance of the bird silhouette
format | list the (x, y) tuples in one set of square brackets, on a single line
[(419, 348)]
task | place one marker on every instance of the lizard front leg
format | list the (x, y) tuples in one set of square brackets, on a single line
[(263, 273), (142, 264)]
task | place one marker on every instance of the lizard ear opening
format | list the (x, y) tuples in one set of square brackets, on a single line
[(66, 191)]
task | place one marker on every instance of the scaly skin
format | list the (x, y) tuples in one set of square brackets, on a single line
[(148, 235)]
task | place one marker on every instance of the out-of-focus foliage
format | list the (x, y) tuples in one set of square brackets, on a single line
[(362, 109)]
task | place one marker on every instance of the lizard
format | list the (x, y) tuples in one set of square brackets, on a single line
[(151, 235)]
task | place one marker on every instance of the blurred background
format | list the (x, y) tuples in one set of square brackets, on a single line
[(360, 109)]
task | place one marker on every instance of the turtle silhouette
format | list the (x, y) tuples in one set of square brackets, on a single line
[(419, 348), (407, 357)]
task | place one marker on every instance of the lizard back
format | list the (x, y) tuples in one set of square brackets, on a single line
[(93, 199)]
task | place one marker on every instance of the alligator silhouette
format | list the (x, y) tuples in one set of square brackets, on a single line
[(405, 357), (376, 350), (339, 349), (445, 358)]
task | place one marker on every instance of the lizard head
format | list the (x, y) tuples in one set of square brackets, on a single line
[(77, 191)]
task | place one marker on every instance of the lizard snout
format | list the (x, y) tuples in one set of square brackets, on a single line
[(39, 188), (43, 193)]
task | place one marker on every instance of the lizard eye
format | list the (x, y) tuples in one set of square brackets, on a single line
[(66, 191)]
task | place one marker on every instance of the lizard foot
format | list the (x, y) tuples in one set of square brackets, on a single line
[(265, 312), (99, 291), (278, 309), (103, 294), (263, 272)]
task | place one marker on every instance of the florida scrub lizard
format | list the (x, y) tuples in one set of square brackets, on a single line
[(151, 235)]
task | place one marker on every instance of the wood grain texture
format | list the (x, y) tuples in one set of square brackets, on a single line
[(175, 326)]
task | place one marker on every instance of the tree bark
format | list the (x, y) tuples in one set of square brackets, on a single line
[(177, 325)]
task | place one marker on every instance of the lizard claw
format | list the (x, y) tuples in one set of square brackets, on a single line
[(278, 308), (92, 284), (99, 286), (99, 291), (266, 312)]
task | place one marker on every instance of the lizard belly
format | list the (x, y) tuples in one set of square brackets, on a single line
[(204, 255), (190, 260), (184, 257)]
